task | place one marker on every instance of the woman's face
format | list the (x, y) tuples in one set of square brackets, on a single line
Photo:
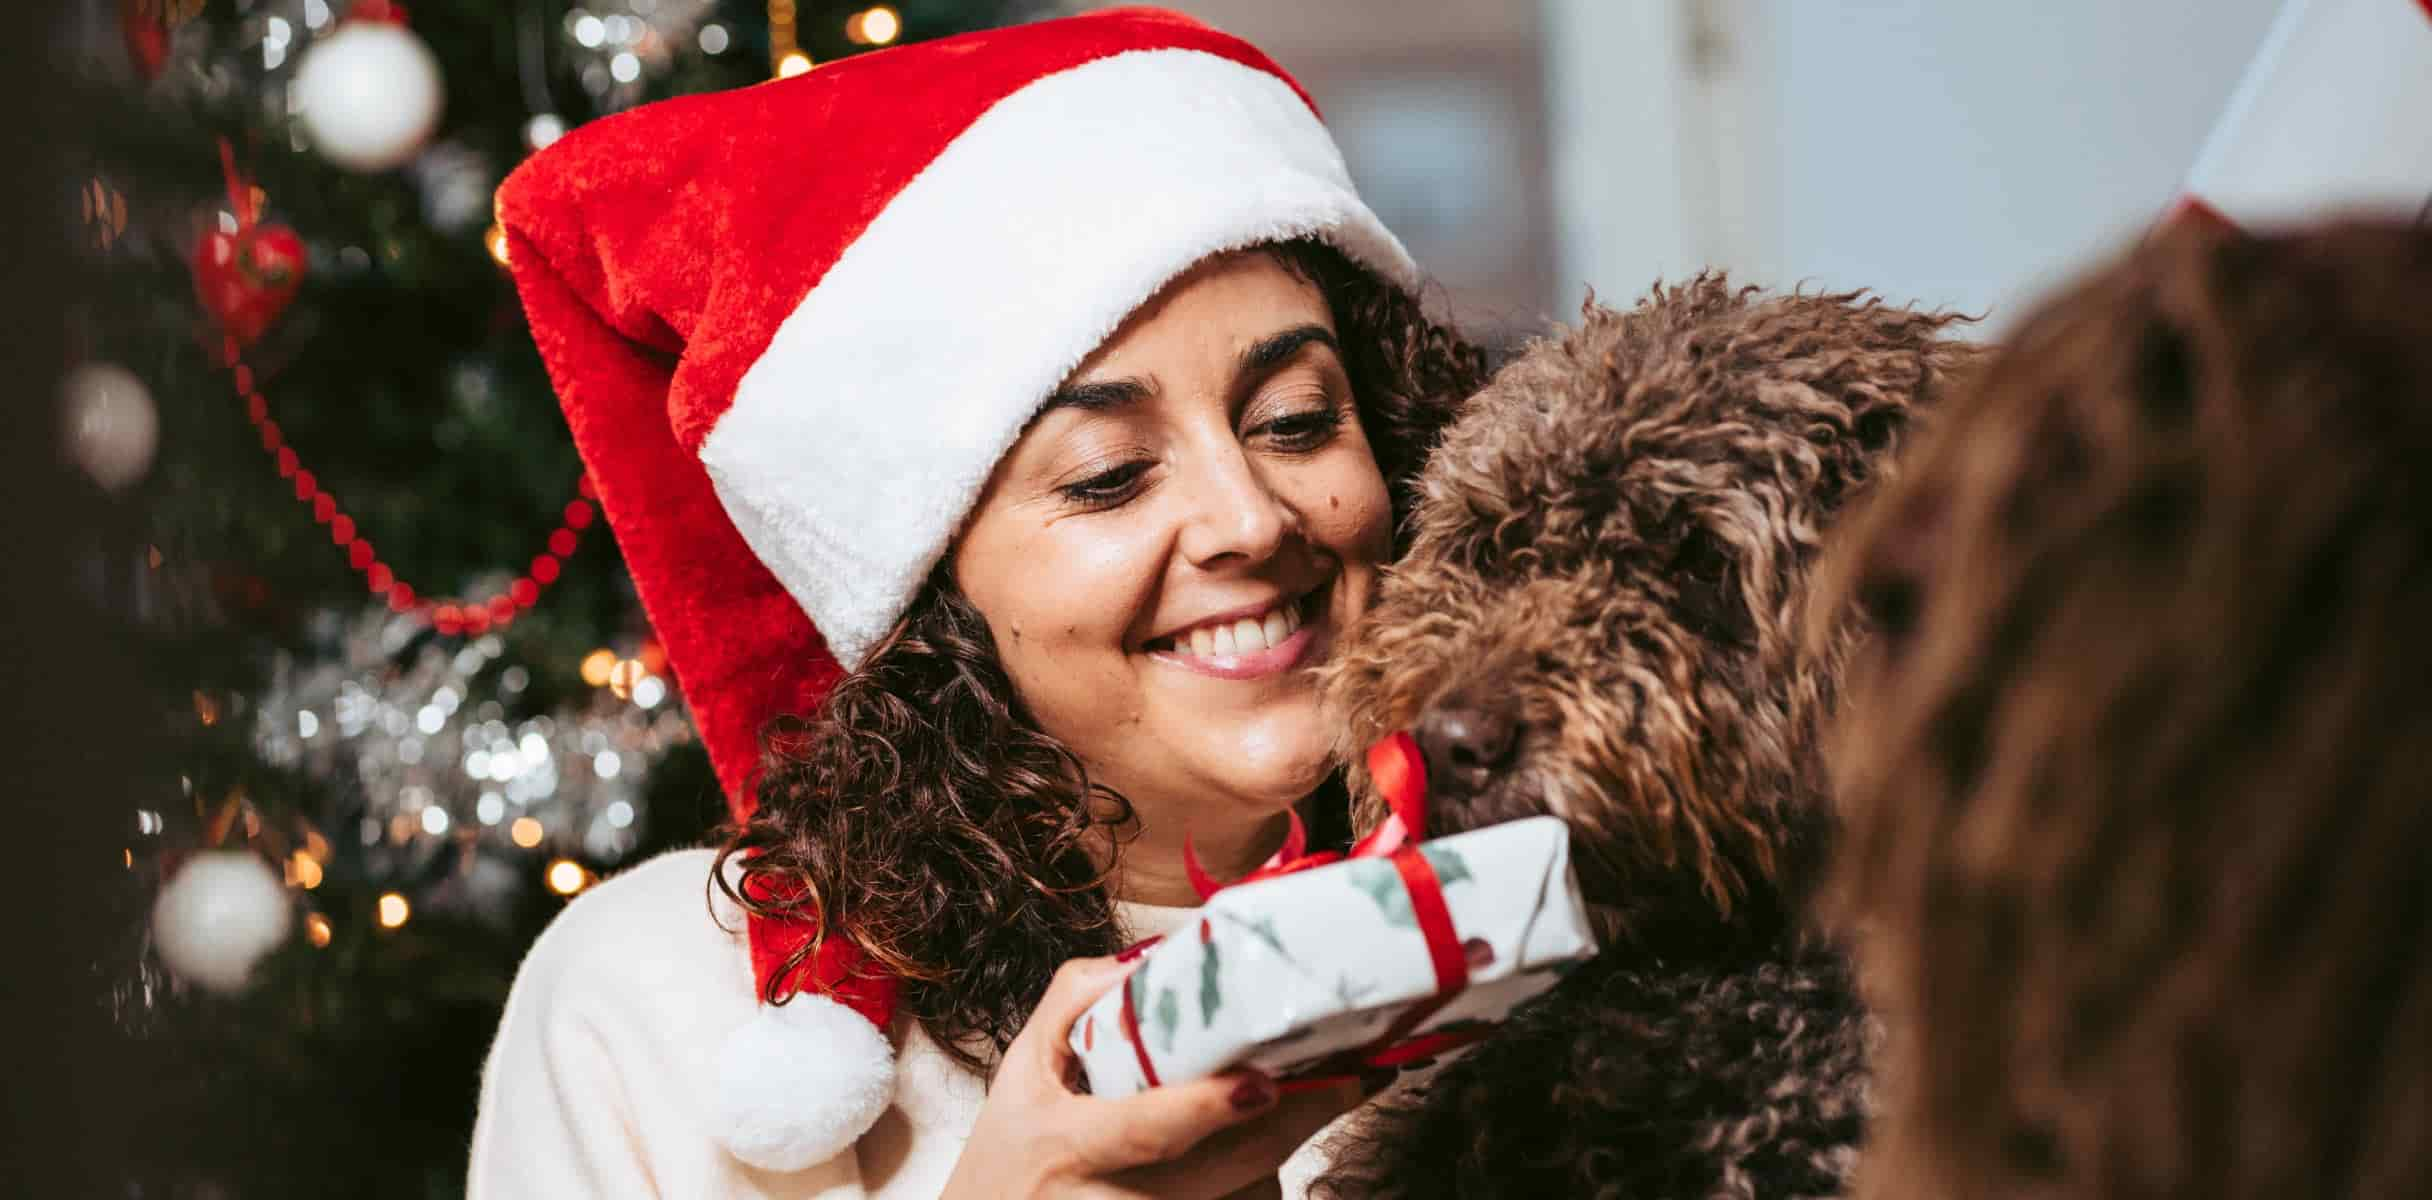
[(1177, 538)]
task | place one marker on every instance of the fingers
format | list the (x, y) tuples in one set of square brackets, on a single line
[(1242, 1152), (1165, 1122), (1040, 1058)]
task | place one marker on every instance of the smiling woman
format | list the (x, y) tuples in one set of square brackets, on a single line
[(1203, 475), (993, 519), (1073, 679)]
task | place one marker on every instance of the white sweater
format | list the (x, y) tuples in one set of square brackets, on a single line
[(600, 1081)]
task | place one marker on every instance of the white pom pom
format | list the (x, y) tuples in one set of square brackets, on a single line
[(218, 916), (800, 1082)]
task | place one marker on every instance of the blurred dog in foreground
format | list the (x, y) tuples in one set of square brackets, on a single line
[(2135, 765)]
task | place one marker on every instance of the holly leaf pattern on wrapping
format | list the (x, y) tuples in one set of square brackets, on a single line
[(1447, 862), (1169, 1019), (1211, 997), (1262, 928), (1383, 885), (1137, 985), (1380, 882)]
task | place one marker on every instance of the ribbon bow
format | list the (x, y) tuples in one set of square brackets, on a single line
[(1401, 775)]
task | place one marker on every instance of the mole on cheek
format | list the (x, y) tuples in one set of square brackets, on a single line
[(1334, 502)]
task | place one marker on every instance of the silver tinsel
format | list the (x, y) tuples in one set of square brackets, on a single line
[(418, 729), (617, 46)]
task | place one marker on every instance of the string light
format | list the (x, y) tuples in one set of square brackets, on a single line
[(785, 56), (566, 877), (317, 930), (105, 213), (874, 26), (623, 677), (525, 832), (394, 911), (496, 240), (303, 870), (598, 666)]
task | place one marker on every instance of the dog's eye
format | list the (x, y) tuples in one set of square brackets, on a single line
[(1707, 582), (1891, 604), (1877, 426)]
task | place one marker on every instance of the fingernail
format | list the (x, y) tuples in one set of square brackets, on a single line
[(1254, 1092), (1136, 949)]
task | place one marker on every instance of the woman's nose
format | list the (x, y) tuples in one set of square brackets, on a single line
[(1235, 514)]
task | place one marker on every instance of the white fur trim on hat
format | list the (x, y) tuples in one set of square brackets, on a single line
[(861, 438), (800, 1082)]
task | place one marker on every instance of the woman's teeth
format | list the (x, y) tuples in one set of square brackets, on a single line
[(1246, 636)]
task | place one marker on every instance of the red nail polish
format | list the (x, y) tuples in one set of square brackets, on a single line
[(1252, 1094), (1136, 949)]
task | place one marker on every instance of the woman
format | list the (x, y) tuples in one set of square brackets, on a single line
[(1024, 414)]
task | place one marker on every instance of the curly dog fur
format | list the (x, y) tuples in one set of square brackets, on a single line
[(1597, 618), (2133, 764)]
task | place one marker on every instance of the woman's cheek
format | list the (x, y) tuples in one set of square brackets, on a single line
[(1354, 517)]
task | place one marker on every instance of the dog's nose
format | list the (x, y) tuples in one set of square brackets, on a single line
[(1465, 745)]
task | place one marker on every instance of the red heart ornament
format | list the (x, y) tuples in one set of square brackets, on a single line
[(245, 279)]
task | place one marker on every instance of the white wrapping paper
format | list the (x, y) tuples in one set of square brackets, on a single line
[(1279, 973)]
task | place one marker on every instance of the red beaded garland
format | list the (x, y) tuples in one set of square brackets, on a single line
[(449, 617)]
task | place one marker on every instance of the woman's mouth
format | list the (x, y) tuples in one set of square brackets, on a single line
[(1250, 647)]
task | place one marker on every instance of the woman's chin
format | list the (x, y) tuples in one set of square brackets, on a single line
[(1270, 793)]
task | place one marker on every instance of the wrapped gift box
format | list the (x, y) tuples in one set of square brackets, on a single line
[(1303, 969)]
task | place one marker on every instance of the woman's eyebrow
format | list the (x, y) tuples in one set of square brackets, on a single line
[(1277, 348), (1097, 395), (1263, 355)]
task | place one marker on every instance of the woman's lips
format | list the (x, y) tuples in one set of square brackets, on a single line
[(1203, 655), (1257, 664)]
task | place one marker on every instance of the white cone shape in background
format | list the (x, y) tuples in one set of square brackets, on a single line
[(2333, 116)]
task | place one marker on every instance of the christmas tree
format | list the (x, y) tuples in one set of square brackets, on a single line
[(402, 702)]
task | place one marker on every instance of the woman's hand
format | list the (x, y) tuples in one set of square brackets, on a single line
[(1036, 1136)]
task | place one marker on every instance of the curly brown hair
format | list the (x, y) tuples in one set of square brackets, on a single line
[(2135, 770), (923, 814)]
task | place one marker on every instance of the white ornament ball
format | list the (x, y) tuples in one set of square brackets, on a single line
[(369, 95), (218, 916), (110, 426)]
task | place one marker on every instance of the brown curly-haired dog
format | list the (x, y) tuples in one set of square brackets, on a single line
[(1596, 618), (2137, 770)]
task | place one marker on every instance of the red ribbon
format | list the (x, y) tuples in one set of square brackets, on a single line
[(1401, 776), (241, 198)]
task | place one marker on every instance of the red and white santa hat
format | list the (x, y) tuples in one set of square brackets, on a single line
[(795, 326), (2333, 116)]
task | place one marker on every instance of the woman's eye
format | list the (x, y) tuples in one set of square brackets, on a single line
[(1305, 430), (1106, 487)]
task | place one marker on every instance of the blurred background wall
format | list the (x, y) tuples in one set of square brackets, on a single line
[(1961, 154), (1440, 109)]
